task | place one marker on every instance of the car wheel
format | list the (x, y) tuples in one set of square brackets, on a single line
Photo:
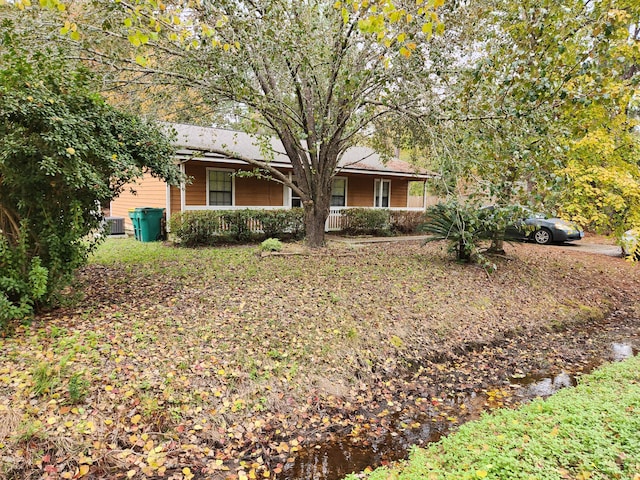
[(542, 236)]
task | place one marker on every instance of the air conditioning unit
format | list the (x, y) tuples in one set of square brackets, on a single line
[(115, 225)]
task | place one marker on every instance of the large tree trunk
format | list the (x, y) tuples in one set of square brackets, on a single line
[(315, 217)]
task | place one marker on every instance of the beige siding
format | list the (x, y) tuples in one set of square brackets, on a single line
[(360, 191), (255, 191), (175, 200), (196, 191), (399, 193), (151, 192)]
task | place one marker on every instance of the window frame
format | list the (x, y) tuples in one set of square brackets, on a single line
[(378, 188), (233, 186), (346, 184)]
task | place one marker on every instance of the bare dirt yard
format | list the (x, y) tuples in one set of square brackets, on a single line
[(222, 363)]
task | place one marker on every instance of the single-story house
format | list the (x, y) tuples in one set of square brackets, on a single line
[(363, 179)]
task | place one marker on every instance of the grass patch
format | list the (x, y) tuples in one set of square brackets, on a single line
[(588, 432)]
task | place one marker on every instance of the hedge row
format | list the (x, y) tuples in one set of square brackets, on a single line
[(367, 221), (209, 227)]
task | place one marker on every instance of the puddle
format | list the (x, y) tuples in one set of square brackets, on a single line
[(336, 458), (622, 351), (540, 386)]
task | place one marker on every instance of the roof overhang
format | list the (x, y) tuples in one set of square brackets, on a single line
[(185, 155)]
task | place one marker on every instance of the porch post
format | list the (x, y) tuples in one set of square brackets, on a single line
[(183, 195), (168, 207), (424, 195)]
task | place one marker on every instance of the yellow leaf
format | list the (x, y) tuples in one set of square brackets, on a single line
[(84, 469), (75, 36), (186, 471), (136, 418), (481, 473), (131, 473)]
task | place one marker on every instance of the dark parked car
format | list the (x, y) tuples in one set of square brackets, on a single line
[(544, 230)]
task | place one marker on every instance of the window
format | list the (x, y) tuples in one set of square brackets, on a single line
[(382, 192), (296, 201), (339, 192), (220, 187)]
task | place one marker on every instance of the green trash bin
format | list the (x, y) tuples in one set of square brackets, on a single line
[(134, 215), (149, 222)]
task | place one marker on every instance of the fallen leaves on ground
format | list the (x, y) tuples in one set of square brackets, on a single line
[(225, 364)]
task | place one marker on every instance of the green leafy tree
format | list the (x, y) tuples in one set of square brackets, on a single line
[(63, 153), (536, 99)]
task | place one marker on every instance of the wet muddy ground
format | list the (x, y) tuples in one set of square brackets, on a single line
[(437, 396)]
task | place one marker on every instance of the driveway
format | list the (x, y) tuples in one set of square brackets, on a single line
[(587, 246), (603, 249)]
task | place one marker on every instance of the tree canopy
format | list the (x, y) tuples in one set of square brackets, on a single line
[(537, 107)]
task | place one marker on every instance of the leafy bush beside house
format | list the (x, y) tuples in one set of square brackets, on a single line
[(406, 221), (62, 150), (366, 221)]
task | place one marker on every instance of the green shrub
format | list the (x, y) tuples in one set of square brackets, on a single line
[(78, 388), (63, 151), (23, 280), (460, 224), (366, 221), (406, 221), (193, 228), (271, 245), (282, 223), (209, 227), (239, 225)]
